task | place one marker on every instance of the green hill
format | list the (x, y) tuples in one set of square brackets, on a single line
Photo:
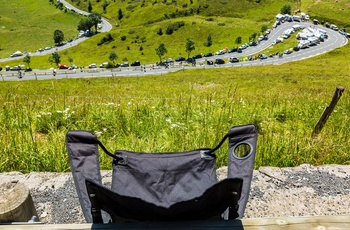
[(30, 28)]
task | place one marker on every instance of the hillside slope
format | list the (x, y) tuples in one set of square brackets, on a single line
[(139, 22)]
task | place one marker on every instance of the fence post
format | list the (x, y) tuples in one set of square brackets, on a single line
[(327, 111)]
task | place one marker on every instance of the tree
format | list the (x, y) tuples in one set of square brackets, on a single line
[(120, 14), (190, 47), (286, 9), (113, 56), (58, 36), (26, 60), (263, 28), (94, 18), (55, 58), (160, 31), (161, 50), (104, 6), (253, 36), (89, 7), (238, 40), (209, 41), (84, 25), (70, 59)]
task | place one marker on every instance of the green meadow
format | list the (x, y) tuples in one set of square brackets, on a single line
[(183, 110)]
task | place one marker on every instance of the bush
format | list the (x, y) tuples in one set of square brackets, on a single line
[(175, 26), (160, 31), (106, 39), (110, 65)]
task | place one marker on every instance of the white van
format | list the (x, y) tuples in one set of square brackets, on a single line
[(304, 44)]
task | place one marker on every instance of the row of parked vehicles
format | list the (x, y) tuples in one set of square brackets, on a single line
[(16, 68)]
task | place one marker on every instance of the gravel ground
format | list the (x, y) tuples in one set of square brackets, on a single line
[(275, 192)]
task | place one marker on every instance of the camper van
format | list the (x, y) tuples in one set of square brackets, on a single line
[(296, 27), (304, 44), (296, 18), (303, 36), (313, 41)]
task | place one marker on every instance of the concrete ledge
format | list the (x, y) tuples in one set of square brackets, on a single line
[(317, 223), (275, 193)]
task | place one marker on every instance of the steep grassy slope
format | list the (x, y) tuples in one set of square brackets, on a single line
[(27, 25), (223, 20)]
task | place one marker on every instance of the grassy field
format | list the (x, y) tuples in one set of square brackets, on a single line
[(178, 111), (27, 25), (181, 111)]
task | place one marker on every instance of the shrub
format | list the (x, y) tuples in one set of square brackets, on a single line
[(106, 39), (173, 27), (160, 31)]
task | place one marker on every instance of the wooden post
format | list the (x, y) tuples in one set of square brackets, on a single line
[(16, 204), (327, 111)]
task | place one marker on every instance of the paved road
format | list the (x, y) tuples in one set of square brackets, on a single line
[(335, 40)]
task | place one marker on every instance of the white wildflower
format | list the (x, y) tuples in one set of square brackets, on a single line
[(98, 133)]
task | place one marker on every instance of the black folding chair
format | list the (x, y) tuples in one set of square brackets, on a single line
[(170, 186)]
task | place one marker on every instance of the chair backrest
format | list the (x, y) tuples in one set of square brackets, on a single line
[(164, 180)]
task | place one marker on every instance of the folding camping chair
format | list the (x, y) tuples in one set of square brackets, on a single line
[(171, 186)]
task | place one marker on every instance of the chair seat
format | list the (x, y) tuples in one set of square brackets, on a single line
[(212, 203)]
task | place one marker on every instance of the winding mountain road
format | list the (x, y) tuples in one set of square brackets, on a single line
[(334, 40)]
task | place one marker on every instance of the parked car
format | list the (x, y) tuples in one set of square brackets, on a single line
[(231, 50), (209, 62), (333, 27), (208, 54), (233, 59), (0, 68), (196, 56), (220, 52), (62, 66), (15, 68), (219, 61), (180, 59), (262, 56), (28, 69), (125, 64), (91, 66), (168, 60), (288, 51), (296, 48), (135, 63), (16, 54), (190, 60), (254, 43), (104, 65)]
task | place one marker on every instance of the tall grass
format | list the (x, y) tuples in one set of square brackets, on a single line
[(178, 112)]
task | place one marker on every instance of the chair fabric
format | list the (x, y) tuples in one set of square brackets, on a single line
[(162, 186)]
